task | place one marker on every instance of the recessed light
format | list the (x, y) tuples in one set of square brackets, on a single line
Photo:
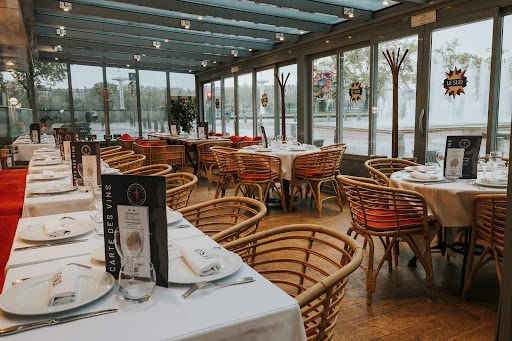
[(166, 40), (189, 70), (302, 31), (204, 63), (127, 65), (214, 62), (56, 58), (234, 53), (327, 41), (349, 37), (348, 11), (385, 2)]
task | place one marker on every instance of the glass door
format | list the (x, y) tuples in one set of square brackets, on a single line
[(208, 105), (265, 101), (245, 113), (217, 106), (229, 106), (324, 100)]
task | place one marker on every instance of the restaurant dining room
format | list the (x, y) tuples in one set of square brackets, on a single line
[(255, 170)]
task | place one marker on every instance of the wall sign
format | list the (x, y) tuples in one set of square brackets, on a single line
[(355, 91), (455, 82), (264, 100)]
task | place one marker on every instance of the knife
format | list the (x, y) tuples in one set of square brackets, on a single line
[(54, 321), (47, 245)]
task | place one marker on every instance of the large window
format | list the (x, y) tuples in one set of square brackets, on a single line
[(324, 100), (265, 82), (183, 85), (290, 100), (245, 114), (466, 48), (89, 110), (354, 110), (123, 108), (229, 106), (208, 103), (217, 106), (153, 94), (406, 98), (505, 103)]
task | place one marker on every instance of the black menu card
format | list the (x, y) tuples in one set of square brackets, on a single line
[(470, 145), (63, 137), (174, 128), (130, 200), (264, 137), (35, 133), (202, 130), (85, 162)]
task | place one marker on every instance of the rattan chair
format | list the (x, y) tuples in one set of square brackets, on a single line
[(179, 189), (226, 219), (388, 214), (226, 163), (381, 169), (157, 170), (127, 162), (109, 150), (117, 155), (256, 170), (129, 144), (310, 263), (173, 155), (243, 144), (488, 213), (206, 159), (334, 146), (315, 169)]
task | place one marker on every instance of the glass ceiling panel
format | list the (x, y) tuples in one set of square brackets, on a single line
[(367, 5)]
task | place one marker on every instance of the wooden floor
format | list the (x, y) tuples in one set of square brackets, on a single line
[(401, 309)]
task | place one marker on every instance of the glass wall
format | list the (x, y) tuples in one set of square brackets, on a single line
[(245, 115), (123, 108), (324, 100), (183, 85), (208, 105), (406, 98), (88, 105), (354, 103), (290, 100), (505, 104), (265, 93), (229, 106), (464, 53), (217, 106), (153, 94)]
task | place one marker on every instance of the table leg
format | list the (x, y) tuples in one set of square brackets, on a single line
[(467, 233)]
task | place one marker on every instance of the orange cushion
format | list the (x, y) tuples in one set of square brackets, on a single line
[(235, 140), (157, 144), (386, 216), (257, 138), (247, 138), (126, 137), (313, 172), (208, 158)]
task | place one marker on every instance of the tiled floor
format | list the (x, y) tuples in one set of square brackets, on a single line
[(401, 308)]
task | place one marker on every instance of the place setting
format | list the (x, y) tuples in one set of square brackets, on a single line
[(50, 189)]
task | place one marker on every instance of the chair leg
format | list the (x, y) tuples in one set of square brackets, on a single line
[(396, 251), (370, 281), (425, 261), (220, 185), (209, 174), (318, 200)]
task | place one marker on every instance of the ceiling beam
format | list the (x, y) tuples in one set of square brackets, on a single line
[(134, 40), (135, 29), (230, 13), (134, 49), (97, 10)]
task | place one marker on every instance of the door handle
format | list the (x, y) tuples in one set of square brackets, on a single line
[(422, 116)]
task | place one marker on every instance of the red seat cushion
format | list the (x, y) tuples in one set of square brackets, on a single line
[(157, 144), (257, 138), (313, 172), (211, 133), (230, 170), (235, 140), (208, 158), (386, 216), (252, 176), (217, 134), (172, 156), (247, 138), (126, 137)]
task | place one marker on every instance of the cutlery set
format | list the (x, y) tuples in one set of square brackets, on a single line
[(49, 244)]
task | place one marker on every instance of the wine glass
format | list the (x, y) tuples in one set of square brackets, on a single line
[(96, 215), (129, 243), (496, 157), (484, 163), (440, 158)]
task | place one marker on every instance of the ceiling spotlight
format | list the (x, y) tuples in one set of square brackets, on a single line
[(156, 44), (57, 48), (234, 53), (200, 17), (189, 70), (166, 40), (250, 50), (127, 65), (302, 31), (280, 36), (385, 2), (214, 62), (9, 63), (136, 57), (61, 32), (65, 6), (143, 55), (56, 58), (185, 24), (204, 63), (349, 11), (349, 37), (327, 41)]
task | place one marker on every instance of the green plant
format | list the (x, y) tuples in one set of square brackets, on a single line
[(184, 111)]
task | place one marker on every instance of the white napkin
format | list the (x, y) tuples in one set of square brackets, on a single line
[(65, 286), (202, 263), (423, 176), (55, 229), (48, 175)]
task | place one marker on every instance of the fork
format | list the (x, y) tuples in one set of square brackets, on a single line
[(18, 281), (204, 284)]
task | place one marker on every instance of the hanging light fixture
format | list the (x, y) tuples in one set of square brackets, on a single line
[(156, 44), (185, 24), (280, 36), (57, 48), (204, 63), (61, 31), (65, 6), (136, 57), (348, 11), (234, 53)]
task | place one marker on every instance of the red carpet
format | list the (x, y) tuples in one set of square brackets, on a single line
[(12, 189)]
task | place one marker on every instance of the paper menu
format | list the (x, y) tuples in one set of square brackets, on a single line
[(67, 150), (90, 169), (200, 131), (134, 222), (454, 161)]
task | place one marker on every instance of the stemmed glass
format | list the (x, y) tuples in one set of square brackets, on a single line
[(484, 163), (440, 159), (129, 244)]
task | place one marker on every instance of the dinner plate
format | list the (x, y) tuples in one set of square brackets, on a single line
[(30, 297), (173, 217), (46, 163), (60, 188), (408, 177), (421, 169), (263, 150), (39, 177), (298, 149), (98, 254), (36, 233), (110, 171), (181, 273), (491, 183)]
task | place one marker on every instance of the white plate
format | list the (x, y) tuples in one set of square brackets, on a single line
[(408, 177), (491, 183), (44, 163), (173, 217), (181, 273), (39, 177), (298, 149), (110, 171), (60, 188), (263, 150), (98, 254), (30, 297), (35, 233), (421, 169)]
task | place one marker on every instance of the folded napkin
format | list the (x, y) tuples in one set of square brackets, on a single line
[(65, 286), (202, 263), (56, 229), (48, 175), (423, 176)]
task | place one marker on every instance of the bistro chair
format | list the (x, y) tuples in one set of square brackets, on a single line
[(109, 150), (488, 213), (311, 263), (156, 170), (117, 155), (243, 144), (256, 170), (388, 214), (315, 169), (226, 163), (226, 219), (206, 159), (173, 155), (128, 162), (179, 189), (381, 169)]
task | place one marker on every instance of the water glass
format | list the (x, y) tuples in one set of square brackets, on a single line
[(452, 174), (496, 157), (96, 215), (137, 282), (499, 172), (440, 158), (81, 186), (485, 164)]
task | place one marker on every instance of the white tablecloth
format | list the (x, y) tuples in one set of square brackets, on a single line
[(54, 168), (286, 157), (253, 311), (449, 202), (25, 148)]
